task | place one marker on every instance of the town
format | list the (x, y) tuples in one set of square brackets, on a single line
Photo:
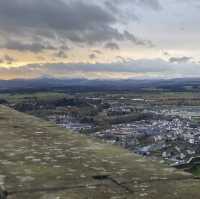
[(169, 135), (143, 123)]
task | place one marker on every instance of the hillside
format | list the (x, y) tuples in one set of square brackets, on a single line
[(39, 160)]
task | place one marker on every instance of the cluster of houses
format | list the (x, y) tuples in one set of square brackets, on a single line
[(69, 122), (176, 140)]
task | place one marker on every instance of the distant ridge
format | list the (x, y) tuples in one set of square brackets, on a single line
[(181, 84)]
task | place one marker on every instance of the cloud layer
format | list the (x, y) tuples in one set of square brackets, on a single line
[(131, 69), (99, 38), (76, 21)]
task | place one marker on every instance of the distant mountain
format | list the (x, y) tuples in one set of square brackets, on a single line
[(84, 84)]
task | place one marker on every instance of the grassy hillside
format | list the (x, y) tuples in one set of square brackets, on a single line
[(40, 160)]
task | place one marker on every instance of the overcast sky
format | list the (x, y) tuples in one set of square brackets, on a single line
[(99, 39)]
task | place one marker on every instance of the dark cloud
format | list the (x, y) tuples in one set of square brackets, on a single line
[(137, 41), (111, 6), (183, 59), (32, 47), (121, 59), (165, 53), (8, 59), (112, 46), (152, 4), (116, 7), (92, 56), (53, 14), (61, 54), (77, 21), (65, 47)]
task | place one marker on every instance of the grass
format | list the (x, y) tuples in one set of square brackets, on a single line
[(16, 98), (40, 156), (195, 171), (160, 98)]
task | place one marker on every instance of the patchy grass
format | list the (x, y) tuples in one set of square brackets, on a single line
[(16, 98), (195, 171), (40, 160)]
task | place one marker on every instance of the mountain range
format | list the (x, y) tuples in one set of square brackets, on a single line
[(181, 84)]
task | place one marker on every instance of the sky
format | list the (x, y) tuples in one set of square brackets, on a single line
[(99, 39)]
